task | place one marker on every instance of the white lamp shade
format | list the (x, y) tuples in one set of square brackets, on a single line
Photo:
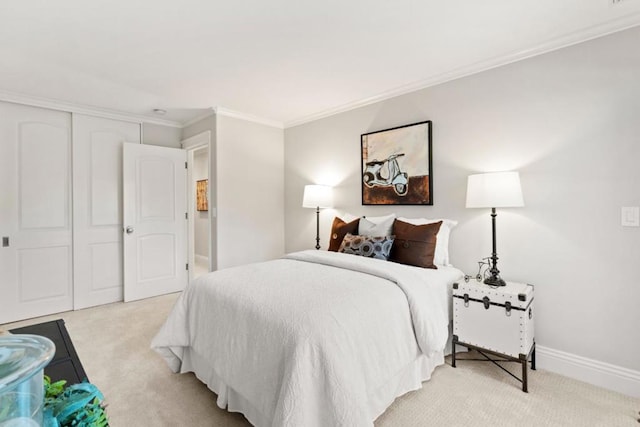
[(494, 190), (317, 196)]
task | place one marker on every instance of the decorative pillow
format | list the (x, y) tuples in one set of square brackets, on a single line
[(339, 229), (379, 219), (367, 246), (370, 228), (415, 244), (441, 256)]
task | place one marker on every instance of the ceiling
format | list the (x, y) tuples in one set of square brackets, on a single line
[(284, 61)]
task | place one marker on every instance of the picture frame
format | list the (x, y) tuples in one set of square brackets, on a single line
[(396, 165), (202, 189)]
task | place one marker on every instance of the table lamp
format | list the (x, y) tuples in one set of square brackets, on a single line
[(494, 190)]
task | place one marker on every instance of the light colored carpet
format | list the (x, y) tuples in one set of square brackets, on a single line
[(113, 344)]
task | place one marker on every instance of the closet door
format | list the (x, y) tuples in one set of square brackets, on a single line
[(97, 208), (35, 212)]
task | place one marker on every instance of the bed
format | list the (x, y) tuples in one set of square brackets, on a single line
[(316, 338)]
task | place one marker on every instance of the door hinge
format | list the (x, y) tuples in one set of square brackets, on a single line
[(186, 266), (186, 215), (186, 165)]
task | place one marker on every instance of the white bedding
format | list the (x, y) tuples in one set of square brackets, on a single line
[(299, 342)]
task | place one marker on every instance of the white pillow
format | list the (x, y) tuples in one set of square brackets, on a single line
[(347, 217), (379, 219), (366, 227), (441, 255)]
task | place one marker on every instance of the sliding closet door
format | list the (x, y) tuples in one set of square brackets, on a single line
[(97, 208), (35, 212)]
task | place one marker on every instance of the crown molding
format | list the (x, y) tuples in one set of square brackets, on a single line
[(567, 40), (54, 104), (69, 107), (248, 117)]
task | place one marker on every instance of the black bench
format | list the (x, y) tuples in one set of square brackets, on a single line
[(65, 364)]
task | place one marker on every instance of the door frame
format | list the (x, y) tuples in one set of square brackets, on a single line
[(192, 144)]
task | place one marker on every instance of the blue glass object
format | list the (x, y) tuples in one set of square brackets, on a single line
[(22, 361)]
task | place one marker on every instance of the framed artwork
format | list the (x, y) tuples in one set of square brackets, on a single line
[(202, 187), (396, 166)]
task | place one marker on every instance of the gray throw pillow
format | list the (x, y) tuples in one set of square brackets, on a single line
[(367, 246)]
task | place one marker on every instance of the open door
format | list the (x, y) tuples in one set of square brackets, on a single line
[(155, 223)]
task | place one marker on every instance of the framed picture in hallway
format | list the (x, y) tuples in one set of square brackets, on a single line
[(396, 166), (202, 187)]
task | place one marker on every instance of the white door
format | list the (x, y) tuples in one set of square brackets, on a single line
[(97, 208), (155, 223), (35, 212)]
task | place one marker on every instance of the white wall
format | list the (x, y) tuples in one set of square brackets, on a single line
[(201, 220), (166, 136), (250, 191), (568, 121)]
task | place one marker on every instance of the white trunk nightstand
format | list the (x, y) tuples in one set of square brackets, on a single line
[(495, 320)]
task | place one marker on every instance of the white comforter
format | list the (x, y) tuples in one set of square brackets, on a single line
[(308, 344)]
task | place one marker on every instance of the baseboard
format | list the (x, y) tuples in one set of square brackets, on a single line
[(605, 375)]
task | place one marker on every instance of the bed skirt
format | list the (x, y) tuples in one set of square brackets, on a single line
[(408, 379)]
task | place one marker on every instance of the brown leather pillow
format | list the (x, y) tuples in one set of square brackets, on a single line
[(414, 244), (339, 229)]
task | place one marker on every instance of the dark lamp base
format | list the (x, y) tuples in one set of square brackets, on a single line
[(494, 281)]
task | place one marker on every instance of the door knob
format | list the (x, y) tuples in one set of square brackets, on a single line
[(129, 230)]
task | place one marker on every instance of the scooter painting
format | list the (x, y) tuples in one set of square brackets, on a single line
[(372, 175)]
